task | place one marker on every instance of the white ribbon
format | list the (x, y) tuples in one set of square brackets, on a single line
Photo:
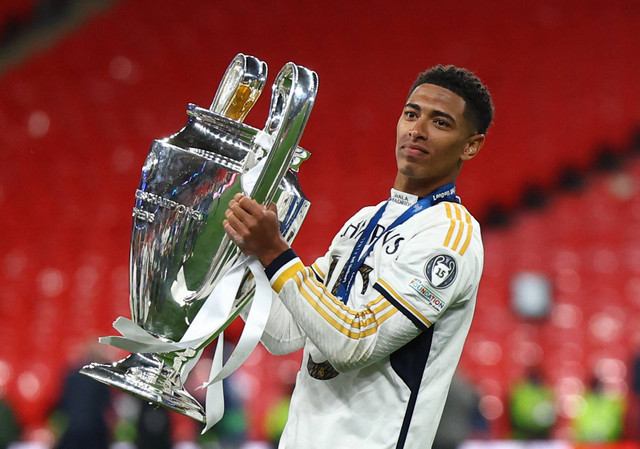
[(213, 314), (253, 329)]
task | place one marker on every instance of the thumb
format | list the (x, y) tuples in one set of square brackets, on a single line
[(272, 208)]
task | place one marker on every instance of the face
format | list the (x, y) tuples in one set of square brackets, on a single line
[(433, 139)]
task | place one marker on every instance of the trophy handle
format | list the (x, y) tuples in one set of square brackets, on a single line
[(293, 95), (240, 87)]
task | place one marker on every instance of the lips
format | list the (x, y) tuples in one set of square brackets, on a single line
[(414, 150)]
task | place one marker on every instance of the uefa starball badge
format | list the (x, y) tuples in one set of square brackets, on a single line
[(188, 281), (441, 270)]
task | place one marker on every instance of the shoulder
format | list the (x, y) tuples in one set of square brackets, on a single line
[(462, 228), (447, 212), (449, 226)]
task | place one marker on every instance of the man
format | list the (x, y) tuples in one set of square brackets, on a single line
[(384, 314)]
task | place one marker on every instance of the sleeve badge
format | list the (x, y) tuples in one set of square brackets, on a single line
[(441, 271), (436, 303)]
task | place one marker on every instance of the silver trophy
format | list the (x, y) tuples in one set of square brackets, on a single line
[(179, 251)]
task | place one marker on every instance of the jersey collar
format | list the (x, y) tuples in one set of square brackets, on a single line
[(403, 198)]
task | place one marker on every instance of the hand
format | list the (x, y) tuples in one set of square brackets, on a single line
[(254, 228)]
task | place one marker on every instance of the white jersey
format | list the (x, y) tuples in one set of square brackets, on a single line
[(376, 370)]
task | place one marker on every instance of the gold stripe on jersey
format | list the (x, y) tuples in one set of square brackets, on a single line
[(352, 324), (461, 226), (317, 269), (358, 320), (402, 301), (468, 240), (376, 306), (349, 322), (286, 275), (447, 240)]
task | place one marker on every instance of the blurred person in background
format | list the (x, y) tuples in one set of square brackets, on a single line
[(278, 412), (600, 417), (276, 418), (383, 316), (82, 413), (9, 427), (153, 428), (461, 417), (633, 415), (532, 407), (231, 431)]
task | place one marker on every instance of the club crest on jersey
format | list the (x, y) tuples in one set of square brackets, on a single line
[(441, 270), (436, 303)]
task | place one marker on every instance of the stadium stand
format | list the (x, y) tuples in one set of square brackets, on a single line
[(77, 118)]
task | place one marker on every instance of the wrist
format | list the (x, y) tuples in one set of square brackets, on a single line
[(268, 256)]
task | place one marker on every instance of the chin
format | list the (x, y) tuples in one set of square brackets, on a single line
[(410, 171)]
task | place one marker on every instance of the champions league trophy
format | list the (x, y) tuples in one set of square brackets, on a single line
[(180, 255)]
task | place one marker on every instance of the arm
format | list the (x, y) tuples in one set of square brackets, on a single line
[(281, 334), (348, 338)]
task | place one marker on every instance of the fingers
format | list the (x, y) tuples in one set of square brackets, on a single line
[(231, 232), (249, 204), (245, 213), (254, 228), (234, 222), (242, 215), (244, 208)]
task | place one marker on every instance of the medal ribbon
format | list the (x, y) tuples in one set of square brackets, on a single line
[(359, 254)]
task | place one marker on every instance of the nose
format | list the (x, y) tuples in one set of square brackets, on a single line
[(416, 133), (417, 130)]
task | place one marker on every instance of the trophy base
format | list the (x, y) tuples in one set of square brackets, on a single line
[(149, 378)]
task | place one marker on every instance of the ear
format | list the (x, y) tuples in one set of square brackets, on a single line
[(474, 143)]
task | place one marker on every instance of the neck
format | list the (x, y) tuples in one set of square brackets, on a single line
[(418, 186)]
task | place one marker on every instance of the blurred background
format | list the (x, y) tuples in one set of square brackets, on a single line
[(85, 86)]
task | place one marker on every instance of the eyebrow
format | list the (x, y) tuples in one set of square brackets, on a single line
[(435, 113)]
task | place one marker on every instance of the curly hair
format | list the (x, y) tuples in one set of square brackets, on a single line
[(462, 82)]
